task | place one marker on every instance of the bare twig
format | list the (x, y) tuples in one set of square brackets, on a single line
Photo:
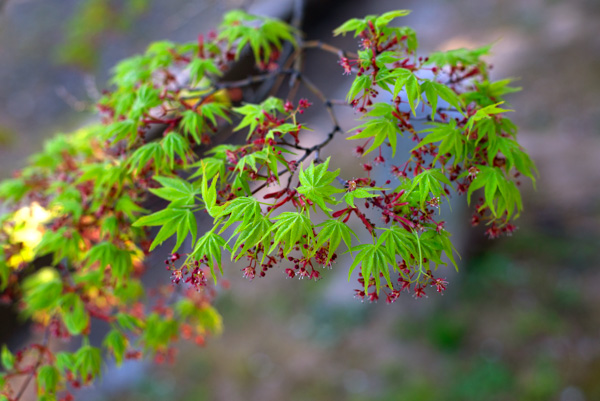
[(70, 99), (328, 104), (316, 149), (36, 366), (317, 44)]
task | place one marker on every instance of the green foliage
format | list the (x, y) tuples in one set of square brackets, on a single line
[(210, 111), (13, 190), (173, 220), (488, 93), (8, 359), (105, 254), (159, 332), (175, 146), (360, 85), (4, 271), (244, 209), (429, 182), (254, 114), (433, 90), (407, 80), (125, 129), (374, 261), (48, 378), (90, 22), (400, 242), (456, 57), (360, 25), (501, 194), (88, 200), (452, 140), (87, 362), (42, 290), (199, 67), (291, 228), (315, 184), (117, 343), (209, 246), (177, 191), (252, 234), (359, 193), (382, 126), (74, 315), (333, 232), (485, 113), (150, 152), (261, 33)]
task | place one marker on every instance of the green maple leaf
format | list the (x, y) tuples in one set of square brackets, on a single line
[(173, 220), (106, 253), (433, 90), (334, 231), (458, 56), (407, 80), (291, 228), (429, 181), (73, 312), (374, 259), (316, 184), (252, 234), (384, 19), (399, 242), (254, 113), (176, 191), (360, 193), (452, 140), (432, 244), (150, 151), (88, 361), (211, 246), (515, 156), (485, 113), (176, 145), (244, 209), (117, 343), (383, 126), (501, 194), (354, 24), (360, 83), (199, 67)]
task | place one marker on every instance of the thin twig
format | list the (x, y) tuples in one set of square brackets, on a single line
[(37, 364), (328, 105), (279, 80), (316, 148), (70, 99), (254, 79), (317, 44)]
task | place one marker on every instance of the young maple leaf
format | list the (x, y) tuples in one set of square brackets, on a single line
[(316, 184)]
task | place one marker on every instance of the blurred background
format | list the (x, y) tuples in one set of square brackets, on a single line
[(521, 321)]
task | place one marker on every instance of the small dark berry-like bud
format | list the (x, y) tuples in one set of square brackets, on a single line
[(358, 151)]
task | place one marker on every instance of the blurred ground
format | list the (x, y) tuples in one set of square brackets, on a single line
[(522, 319)]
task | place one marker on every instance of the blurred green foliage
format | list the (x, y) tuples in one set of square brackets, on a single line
[(90, 22)]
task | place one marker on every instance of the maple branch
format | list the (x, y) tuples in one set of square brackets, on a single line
[(34, 368)]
